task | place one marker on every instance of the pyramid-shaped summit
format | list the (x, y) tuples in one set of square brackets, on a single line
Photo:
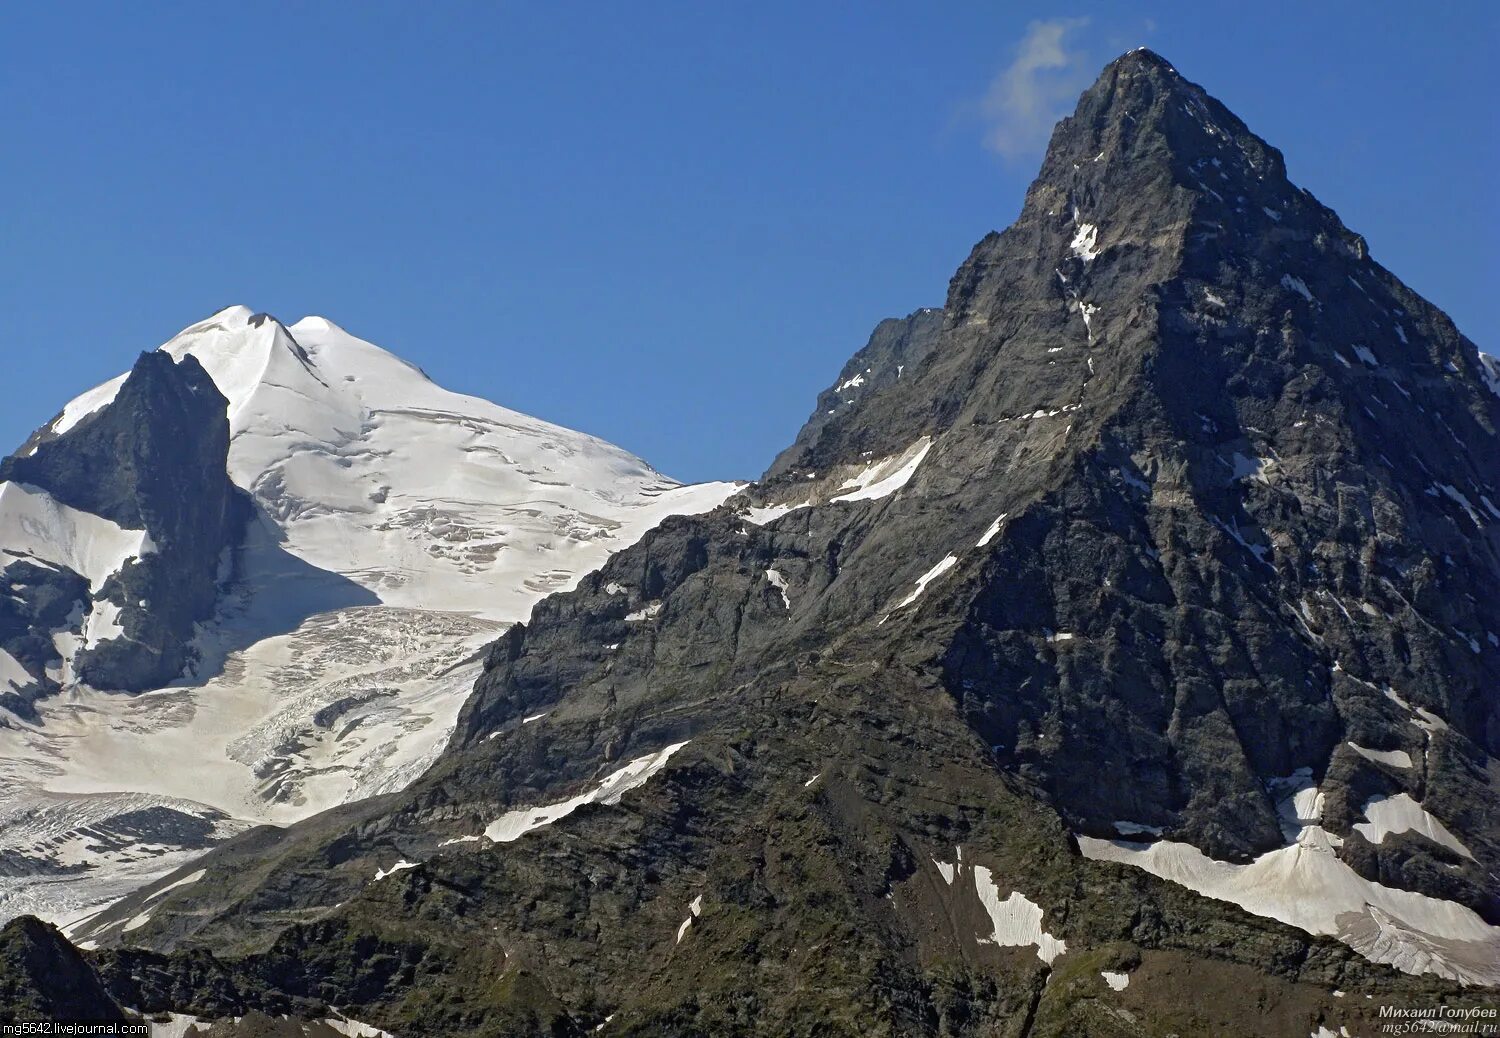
[(1113, 652)]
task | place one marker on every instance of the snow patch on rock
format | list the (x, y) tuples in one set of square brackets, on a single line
[(695, 909), (1085, 243), (943, 566), (1400, 814), (991, 530), (1306, 885), (1390, 758), (884, 477), (1017, 920), (779, 583), (34, 525), (517, 823), (400, 866)]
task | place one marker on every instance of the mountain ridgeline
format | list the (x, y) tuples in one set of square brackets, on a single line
[(1113, 653)]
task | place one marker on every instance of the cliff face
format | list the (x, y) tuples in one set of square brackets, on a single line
[(1165, 549), (137, 493)]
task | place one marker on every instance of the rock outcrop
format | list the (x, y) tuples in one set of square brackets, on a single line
[(136, 493)]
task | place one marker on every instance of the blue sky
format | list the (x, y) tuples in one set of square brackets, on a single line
[(668, 224)]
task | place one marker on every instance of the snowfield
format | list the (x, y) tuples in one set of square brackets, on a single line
[(1305, 884), (399, 528)]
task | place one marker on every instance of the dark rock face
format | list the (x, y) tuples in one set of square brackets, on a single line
[(1183, 495), (152, 459), (43, 977), (897, 344), (43, 598)]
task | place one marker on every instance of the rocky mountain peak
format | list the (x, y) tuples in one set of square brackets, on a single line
[(112, 462), (1142, 112), (120, 515), (1177, 402)]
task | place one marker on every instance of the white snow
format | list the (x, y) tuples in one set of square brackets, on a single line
[(884, 477), (248, 742), (399, 528), (102, 623), (534, 717), (1296, 284), (34, 525), (517, 823), (459, 839), (646, 612), (1085, 242), (1117, 981), (12, 675), (1305, 885), (991, 530), (1017, 920), (1454, 494), (768, 513), (187, 880), (695, 909), (947, 563), (1366, 355), (429, 498), (77, 871), (850, 383), (353, 1028), (177, 1025), (400, 866), (779, 583), (1392, 758), (1272, 213), (1087, 312), (1245, 466), (1260, 551), (180, 1025), (1489, 370), (94, 400), (1400, 814), (1425, 719)]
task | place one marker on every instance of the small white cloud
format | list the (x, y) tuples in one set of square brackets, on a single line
[(1034, 90)]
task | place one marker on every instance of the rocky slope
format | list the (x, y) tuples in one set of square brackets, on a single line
[(319, 541), (1116, 658)]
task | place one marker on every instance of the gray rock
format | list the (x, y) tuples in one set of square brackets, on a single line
[(154, 458)]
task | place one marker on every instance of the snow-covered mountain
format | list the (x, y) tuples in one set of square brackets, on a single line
[(394, 528)]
